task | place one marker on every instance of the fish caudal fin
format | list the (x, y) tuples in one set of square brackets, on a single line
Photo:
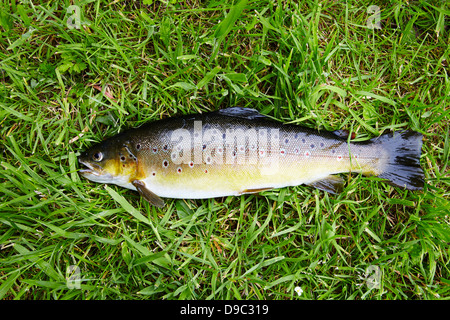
[(403, 165)]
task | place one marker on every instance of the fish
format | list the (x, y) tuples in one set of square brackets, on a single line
[(236, 151)]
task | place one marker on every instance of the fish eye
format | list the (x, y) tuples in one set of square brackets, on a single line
[(98, 156)]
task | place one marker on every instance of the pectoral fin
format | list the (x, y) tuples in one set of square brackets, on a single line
[(331, 184), (147, 194)]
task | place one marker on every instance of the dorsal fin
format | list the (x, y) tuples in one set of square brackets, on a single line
[(246, 113), (344, 133)]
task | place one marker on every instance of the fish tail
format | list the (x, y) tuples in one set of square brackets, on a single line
[(402, 168)]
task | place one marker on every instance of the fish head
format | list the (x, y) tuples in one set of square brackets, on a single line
[(110, 161)]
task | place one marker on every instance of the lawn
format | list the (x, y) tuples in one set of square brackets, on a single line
[(74, 73)]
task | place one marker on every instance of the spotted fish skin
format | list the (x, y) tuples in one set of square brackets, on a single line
[(237, 150)]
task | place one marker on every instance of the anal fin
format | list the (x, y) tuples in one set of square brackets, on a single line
[(147, 194), (331, 184)]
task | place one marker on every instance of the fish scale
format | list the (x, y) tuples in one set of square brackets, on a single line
[(237, 150)]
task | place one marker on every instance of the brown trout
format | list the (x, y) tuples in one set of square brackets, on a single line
[(236, 151)]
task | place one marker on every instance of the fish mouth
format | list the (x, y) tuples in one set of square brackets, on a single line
[(94, 172), (89, 169)]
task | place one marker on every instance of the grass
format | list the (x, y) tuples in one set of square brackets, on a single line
[(312, 63)]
